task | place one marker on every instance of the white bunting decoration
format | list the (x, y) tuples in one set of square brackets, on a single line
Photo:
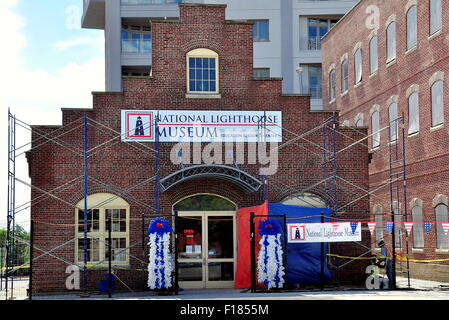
[(371, 226), (445, 227), (408, 227)]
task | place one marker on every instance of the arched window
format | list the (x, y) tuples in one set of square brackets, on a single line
[(436, 21), (412, 27), (344, 76), (398, 229), (305, 200), (358, 65), (441, 216), (332, 85), (373, 57), (101, 207), (437, 103), (418, 227), (393, 116), (202, 71), (204, 202), (375, 128), (391, 41), (413, 113), (378, 217)]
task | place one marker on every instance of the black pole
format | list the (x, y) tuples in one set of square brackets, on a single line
[(393, 243), (176, 255), (285, 245), (30, 291), (1, 266), (110, 257), (322, 257), (253, 252)]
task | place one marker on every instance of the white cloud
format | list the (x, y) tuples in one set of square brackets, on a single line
[(35, 96), (97, 42)]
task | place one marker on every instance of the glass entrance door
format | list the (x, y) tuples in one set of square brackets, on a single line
[(207, 249)]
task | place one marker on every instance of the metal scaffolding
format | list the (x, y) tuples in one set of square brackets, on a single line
[(325, 152)]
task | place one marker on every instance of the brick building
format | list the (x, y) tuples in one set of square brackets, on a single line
[(393, 68), (125, 170)]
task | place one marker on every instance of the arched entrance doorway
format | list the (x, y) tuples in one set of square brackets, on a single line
[(207, 243)]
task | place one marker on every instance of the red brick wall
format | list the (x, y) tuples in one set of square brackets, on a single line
[(120, 166), (426, 153)]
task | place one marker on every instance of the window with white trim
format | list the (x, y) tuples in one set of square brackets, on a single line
[(103, 205), (332, 85), (202, 71), (391, 41), (344, 76), (437, 103), (398, 229), (436, 18), (441, 216), (393, 116), (373, 54), (412, 27), (413, 113), (418, 227), (375, 127), (358, 65), (378, 217)]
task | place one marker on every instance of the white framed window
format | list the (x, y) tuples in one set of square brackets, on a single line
[(418, 227), (103, 205), (261, 30), (393, 117), (374, 61), (202, 71), (391, 41), (437, 103), (436, 18), (375, 127), (332, 85), (378, 217), (358, 65), (344, 76), (412, 27), (441, 216), (398, 228), (413, 113)]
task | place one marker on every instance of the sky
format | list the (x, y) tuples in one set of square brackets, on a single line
[(47, 62)]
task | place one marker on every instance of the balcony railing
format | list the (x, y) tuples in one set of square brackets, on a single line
[(310, 43), (136, 46), (151, 1)]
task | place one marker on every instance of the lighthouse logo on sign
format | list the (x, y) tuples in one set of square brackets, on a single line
[(139, 126), (297, 233)]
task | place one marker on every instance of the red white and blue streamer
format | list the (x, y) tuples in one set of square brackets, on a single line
[(270, 261), (160, 265)]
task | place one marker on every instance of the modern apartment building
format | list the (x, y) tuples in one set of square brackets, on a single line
[(393, 70), (287, 36)]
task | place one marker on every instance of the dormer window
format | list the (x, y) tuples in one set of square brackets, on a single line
[(202, 71)]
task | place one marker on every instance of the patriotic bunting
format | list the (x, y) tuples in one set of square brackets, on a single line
[(371, 226), (408, 226), (354, 226), (428, 226), (445, 227), (389, 227)]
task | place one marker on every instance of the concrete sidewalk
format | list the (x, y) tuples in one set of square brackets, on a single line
[(420, 290)]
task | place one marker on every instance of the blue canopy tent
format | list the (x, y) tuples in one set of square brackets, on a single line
[(303, 259)]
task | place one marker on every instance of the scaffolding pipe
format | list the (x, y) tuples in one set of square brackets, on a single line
[(86, 181)]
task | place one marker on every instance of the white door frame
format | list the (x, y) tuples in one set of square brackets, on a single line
[(204, 260)]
